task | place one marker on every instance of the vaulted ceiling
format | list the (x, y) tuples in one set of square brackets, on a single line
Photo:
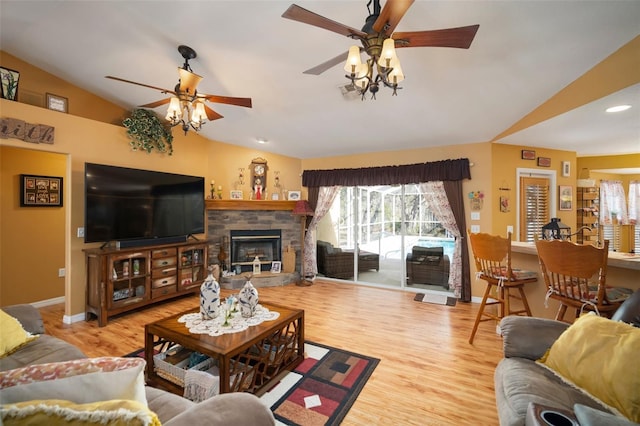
[(525, 79)]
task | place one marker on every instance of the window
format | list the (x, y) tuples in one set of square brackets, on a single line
[(536, 195)]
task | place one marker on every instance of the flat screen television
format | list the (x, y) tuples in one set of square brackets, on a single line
[(142, 206)]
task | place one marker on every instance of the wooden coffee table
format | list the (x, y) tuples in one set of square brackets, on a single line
[(247, 360)]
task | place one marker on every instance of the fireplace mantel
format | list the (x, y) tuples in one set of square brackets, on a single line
[(249, 205)]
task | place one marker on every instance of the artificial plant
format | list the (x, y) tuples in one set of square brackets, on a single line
[(148, 132)]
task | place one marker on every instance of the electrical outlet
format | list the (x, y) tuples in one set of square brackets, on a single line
[(81, 232), (61, 272), (475, 228), (509, 229), (475, 215)]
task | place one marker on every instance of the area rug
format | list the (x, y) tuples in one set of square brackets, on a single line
[(321, 390), (438, 299)]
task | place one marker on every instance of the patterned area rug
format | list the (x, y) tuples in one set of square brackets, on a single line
[(322, 389)]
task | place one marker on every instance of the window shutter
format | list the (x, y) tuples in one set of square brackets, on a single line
[(612, 233), (534, 207)]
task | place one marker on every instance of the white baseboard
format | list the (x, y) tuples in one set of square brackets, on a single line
[(48, 302), (66, 319)]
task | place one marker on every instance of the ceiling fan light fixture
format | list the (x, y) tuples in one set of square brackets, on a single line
[(396, 75), (354, 61), (388, 57), (174, 112), (199, 115)]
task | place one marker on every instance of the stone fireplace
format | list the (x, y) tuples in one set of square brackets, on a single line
[(246, 245), (268, 216)]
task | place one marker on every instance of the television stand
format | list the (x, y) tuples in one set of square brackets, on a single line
[(122, 279)]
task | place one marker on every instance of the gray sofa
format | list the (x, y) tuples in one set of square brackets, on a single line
[(172, 410), (520, 381)]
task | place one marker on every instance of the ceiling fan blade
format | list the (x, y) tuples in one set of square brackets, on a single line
[(297, 13), (452, 37), (141, 84), (188, 81), (243, 102), (156, 103), (391, 14), (319, 69), (211, 114)]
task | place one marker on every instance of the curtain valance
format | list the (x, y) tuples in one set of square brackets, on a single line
[(445, 170)]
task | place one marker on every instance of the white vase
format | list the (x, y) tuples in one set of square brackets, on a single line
[(210, 298), (248, 300)]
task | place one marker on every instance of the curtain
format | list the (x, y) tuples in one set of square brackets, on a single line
[(613, 204), (325, 197), (634, 202), (446, 201)]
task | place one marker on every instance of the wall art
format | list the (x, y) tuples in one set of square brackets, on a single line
[(40, 191)]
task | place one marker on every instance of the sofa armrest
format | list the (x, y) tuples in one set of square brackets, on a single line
[(28, 316), (529, 337), (237, 408)]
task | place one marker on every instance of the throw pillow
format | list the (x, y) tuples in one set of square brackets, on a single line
[(600, 356), (59, 412), (81, 381), (12, 335)]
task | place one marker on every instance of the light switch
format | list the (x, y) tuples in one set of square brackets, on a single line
[(475, 228), (475, 215)]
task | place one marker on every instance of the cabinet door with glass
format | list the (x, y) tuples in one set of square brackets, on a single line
[(191, 266), (129, 279)]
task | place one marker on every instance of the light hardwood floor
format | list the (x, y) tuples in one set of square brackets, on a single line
[(428, 373)]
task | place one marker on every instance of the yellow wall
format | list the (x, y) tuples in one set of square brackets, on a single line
[(507, 158), (33, 240), (34, 84), (92, 141)]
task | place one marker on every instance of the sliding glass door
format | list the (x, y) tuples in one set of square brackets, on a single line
[(370, 233)]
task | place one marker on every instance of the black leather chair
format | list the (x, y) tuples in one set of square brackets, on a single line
[(428, 265)]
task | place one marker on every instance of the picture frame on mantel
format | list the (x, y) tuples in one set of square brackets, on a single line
[(40, 191), (293, 195)]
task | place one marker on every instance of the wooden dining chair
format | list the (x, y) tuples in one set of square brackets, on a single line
[(575, 275), (492, 255)]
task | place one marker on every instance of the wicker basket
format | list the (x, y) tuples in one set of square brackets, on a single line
[(175, 373)]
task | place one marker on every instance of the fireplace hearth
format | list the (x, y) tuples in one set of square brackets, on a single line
[(266, 244)]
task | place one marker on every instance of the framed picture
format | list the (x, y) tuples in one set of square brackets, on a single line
[(57, 103), (566, 168), (294, 195), (528, 154), (40, 191), (566, 197), (9, 79), (276, 267), (544, 161), (236, 195)]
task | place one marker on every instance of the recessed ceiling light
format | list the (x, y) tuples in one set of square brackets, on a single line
[(618, 108), (262, 140)]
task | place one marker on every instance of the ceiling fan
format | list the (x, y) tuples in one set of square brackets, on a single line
[(379, 26), (186, 106)]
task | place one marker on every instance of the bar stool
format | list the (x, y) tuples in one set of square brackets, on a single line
[(492, 255)]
